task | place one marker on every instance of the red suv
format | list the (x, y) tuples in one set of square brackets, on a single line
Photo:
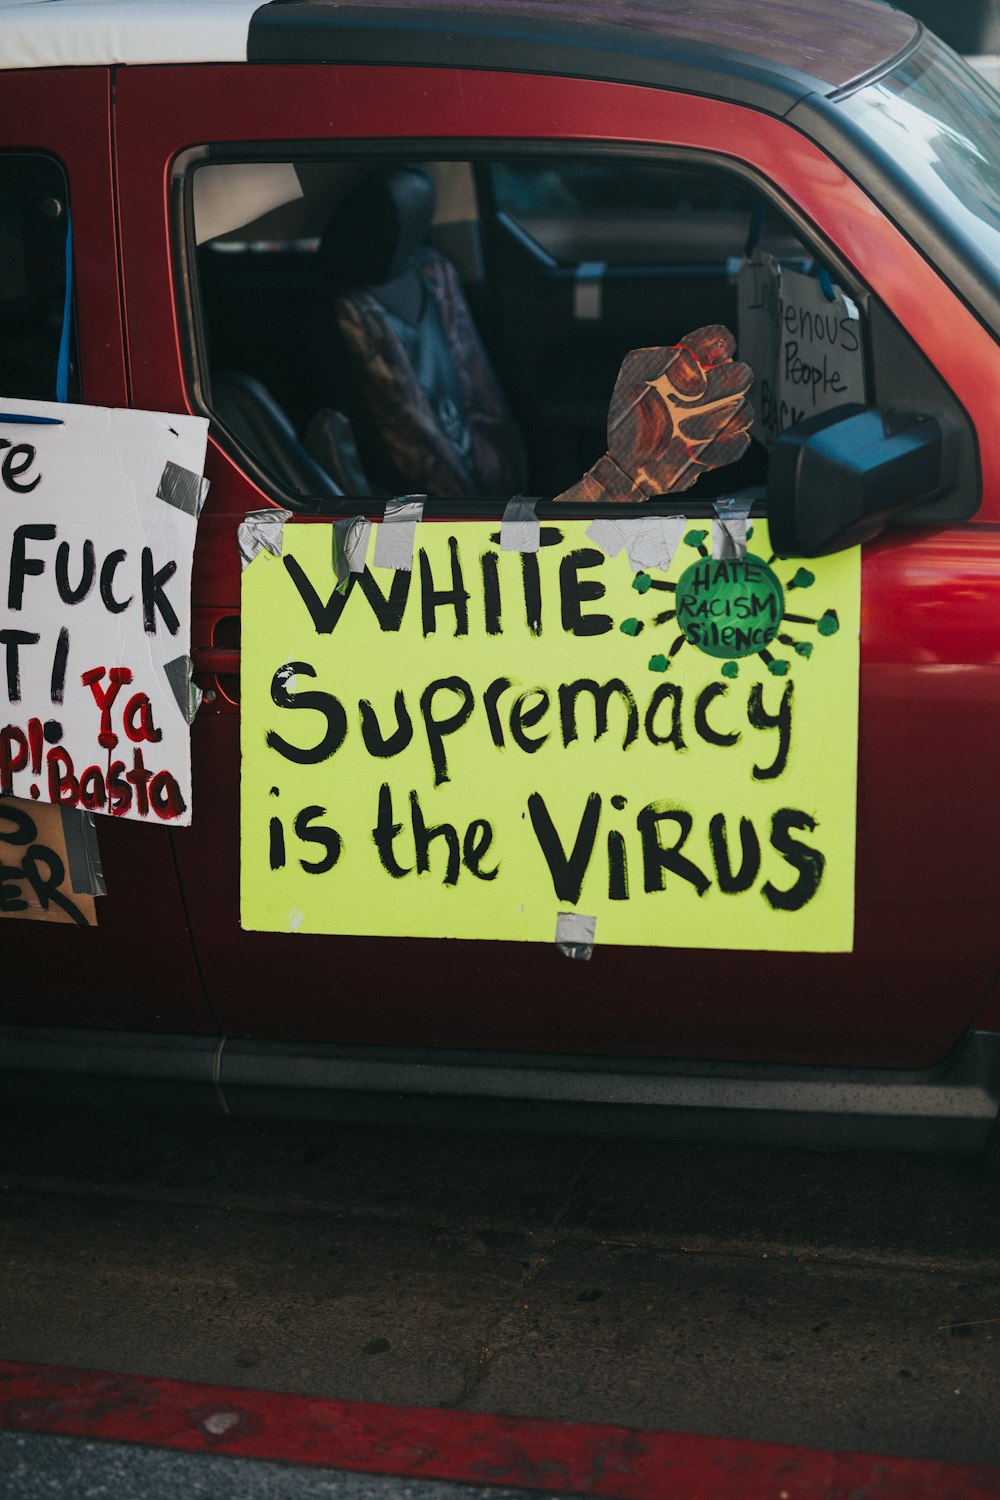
[(248, 189)]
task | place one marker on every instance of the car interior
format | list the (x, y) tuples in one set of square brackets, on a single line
[(455, 328)]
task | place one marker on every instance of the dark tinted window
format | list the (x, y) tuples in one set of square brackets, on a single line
[(635, 213), (34, 220)]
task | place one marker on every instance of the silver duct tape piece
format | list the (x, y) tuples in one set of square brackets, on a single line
[(729, 540), (178, 674), (520, 529), (648, 542), (86, 875), (350, 548), (610, 536), (575, 934), (587, 290), (261, 531), (182, 488), (395, 536), (729, 529), (655, 542)]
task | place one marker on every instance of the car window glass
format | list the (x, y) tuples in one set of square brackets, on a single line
[(34, 218), (635, 213), (475, 358), (268, 304), (939, 122)]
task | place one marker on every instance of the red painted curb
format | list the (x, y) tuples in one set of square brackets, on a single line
[(416, 1442)]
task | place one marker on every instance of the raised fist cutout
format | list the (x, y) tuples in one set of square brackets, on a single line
[(674, 413)]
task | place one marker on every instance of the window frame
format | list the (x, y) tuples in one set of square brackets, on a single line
[(956, 506)]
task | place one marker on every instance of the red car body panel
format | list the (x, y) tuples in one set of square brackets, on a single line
[(137, 967), (928, 943)]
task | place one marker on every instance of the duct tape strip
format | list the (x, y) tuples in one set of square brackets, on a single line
[(729, 529), (520, 530), (182, 488), (395, 536), (178, 674), (350, 548), (649, 542), (261, 531), (82, 853), (587, 290), (610, 536), (575, 934)]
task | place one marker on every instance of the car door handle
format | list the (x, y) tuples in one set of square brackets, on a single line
[(215, 659)]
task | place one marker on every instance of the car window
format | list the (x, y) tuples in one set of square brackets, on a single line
[(973, 27), (635, 213), (307, 335), (36, 353), (938, 123)]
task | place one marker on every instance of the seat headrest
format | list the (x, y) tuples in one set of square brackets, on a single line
[(377, 227)]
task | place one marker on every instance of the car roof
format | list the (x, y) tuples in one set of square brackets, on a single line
[(763, 52), (90, 33)]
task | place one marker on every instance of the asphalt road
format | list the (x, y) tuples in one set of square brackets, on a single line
[(836, 1300)]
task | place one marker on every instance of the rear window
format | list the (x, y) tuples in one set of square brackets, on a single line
[(36, 354)]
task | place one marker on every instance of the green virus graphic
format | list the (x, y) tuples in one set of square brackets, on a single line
[(731, 608)]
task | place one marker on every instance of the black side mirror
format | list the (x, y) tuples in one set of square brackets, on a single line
[(834, 480)]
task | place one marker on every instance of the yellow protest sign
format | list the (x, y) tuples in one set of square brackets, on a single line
[(473, 746)]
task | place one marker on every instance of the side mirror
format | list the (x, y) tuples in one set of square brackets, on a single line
[(834, 480)]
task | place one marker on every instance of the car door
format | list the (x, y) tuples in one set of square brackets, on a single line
[(136, 968), (926, 948)]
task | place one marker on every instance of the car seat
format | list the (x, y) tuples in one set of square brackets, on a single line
[(400, 354), (248, 411)]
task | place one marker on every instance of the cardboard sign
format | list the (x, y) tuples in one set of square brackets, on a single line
[(676, 411), (475, 744), (804, 346), (98, 514), (40, 877)]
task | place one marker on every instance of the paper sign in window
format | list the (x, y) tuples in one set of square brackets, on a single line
[(803, 339)]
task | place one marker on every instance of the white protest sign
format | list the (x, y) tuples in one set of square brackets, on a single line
[(98, 514), (804, 347)]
